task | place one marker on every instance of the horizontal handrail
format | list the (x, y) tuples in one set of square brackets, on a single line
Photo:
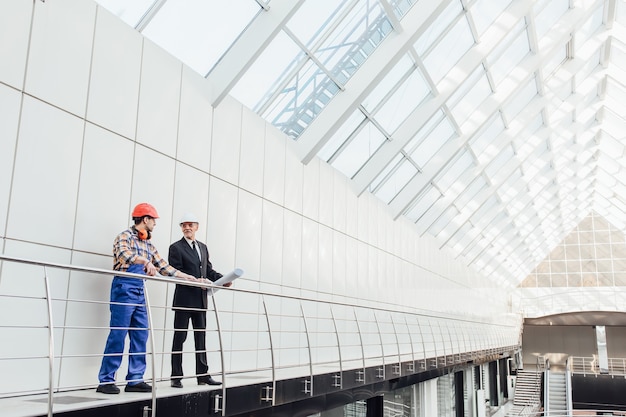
[(290, 336)]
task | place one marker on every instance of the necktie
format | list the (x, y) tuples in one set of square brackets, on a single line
[(193, 246)]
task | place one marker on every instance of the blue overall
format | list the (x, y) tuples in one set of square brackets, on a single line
[(130, 316)]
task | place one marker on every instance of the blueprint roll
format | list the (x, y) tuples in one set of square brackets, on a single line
[(230, 277)]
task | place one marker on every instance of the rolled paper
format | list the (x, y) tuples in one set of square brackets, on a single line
[(230, 277)]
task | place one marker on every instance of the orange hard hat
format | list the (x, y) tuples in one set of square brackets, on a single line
[(145, 209)]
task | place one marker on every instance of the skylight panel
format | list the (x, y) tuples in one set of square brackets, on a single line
[(500, 161), (550, 66), (358, 150), (394, 77), (396, 180), (483, 143), (548, 14), (400, 7), (443, 220), (591, 25), (353, 39), (342, 134), (422, 203), (408, 95), (280, 57), (468, 97), (466, 197), (521, 99), (199, 32), (430, 145), (509, 52), (129, 11), (454, 172), (440, 24), (484, 12), (449, 50), (311, 20)]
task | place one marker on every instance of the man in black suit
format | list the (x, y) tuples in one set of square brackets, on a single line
[(190, 302)]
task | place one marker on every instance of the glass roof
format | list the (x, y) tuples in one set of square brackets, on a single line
[(496, 127)]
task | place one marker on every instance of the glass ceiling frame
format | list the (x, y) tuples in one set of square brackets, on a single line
[(574, 53)]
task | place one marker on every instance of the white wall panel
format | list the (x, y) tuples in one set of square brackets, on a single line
[(311, 190), (114, 83), (272, 243), (292, 249), (340, 189), (104, 182), (252, 152), (46, 175), (363, 212), (274, 171), (325, 248), (9, 120), (352, 267), (340, 264), (226, 140), (363, 271), (248, 244), (191, 195), (327, 185), (159, 97), (15, 21), (222, 224), (310, 254), (89, 320), (294, 176), (195, 121), (352, 211), (153, 182), (60, 53)]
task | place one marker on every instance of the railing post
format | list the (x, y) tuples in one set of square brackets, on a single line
[(269, 333), (152, 348), (221, 344), (50, 340), (309, 389)]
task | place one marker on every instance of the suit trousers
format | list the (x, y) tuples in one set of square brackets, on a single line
[(181, 324)]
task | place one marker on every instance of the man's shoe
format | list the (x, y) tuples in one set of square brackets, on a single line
[(108, 389), (176, 383), (208, 380), (140, 387)]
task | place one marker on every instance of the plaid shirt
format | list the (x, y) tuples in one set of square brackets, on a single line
[(127, 247)]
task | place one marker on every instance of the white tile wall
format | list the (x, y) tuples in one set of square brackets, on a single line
[(159, 97), (45, 183), (105, 181), (272, 243), (115, 74), (251, 162), (15, 23), (152, 177), (60, 53), (195, 122), (249, 232), (191, 194), (226, 140), (222, 224), (274, 171), (292, 249), (9, 117), (294, 177)]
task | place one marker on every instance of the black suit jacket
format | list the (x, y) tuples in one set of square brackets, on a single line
[(182, 257)]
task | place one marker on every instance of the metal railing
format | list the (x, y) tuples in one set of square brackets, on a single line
[(588, 365), (53, 326)]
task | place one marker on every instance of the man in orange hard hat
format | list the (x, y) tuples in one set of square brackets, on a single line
[(133, 252)]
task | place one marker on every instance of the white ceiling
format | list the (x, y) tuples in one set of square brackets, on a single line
[(495, 126)]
